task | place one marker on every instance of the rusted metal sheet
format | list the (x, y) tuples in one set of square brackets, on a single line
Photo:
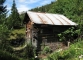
[(48, 18)]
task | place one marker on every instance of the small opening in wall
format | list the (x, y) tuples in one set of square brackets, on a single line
[(34, 40)]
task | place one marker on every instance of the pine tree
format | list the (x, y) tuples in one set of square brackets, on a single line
[(2, 11), (4, 32), (14, 19), (2, 8)]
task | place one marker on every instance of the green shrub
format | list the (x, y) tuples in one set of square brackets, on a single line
[(46, 49), (54, 56), (4, 55), (73, 52), (29, 51)]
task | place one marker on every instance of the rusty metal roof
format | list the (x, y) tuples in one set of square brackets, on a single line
[(49, 18)]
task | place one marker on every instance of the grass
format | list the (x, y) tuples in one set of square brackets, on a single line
[(19, 31), (16, 32)]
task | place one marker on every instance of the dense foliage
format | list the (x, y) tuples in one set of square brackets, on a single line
[(3, 27), (72, 53), (14, 19), (4, 34), (2, 8), (4, 55), (22, 14), (69, 35)]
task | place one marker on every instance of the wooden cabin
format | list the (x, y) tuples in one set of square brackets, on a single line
[(42, 28)]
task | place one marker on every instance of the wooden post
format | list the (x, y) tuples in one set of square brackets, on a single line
[(68, 44)]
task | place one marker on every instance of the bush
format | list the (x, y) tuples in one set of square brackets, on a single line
[(53, 56), (4, 55), (29, 51), (46, 49), (73, 52)]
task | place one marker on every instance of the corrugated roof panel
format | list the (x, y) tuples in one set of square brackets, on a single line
[(48, 18), (45, 19), (34, 18), (69, 21), (55, 21), (61, 20)]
